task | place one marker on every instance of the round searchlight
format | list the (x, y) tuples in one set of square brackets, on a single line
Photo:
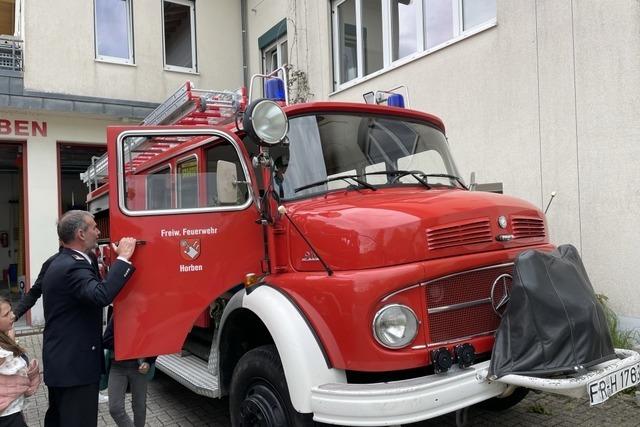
[(265, 121), (395, 326)]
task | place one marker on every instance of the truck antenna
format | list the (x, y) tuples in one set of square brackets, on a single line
[(553, 194), (283, 211)]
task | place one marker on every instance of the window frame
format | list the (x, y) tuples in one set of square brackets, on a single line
[(179, 162), (214, 135), (130, 35), (269, 49), (459, 33), (194, 57)]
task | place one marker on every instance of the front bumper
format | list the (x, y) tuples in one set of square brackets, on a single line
[(417, 399), (402, 402), (575, 386)]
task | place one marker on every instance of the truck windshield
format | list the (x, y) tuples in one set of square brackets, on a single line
[(325, 147)]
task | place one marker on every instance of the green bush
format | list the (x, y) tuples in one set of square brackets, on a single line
[(621, 338)]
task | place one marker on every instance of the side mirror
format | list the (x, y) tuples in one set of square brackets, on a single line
[(226, 183)]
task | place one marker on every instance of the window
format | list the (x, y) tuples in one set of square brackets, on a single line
[(113, 31), (10, 17), (369, 35), (476, 12), (210, 176), (179, 35), (159, 189), (187, 176), (275, 56), (405, 20), (325, 147), (273, 47)]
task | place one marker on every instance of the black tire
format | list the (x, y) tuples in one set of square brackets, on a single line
[(259, 396), (498, 404)]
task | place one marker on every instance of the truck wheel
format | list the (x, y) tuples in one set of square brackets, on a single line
[(497, 404), (259, 396)]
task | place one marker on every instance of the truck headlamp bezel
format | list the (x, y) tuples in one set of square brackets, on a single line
[(266, 122), (380, 331)]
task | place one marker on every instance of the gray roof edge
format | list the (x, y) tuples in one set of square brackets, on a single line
[(11, 85), (79, 98)]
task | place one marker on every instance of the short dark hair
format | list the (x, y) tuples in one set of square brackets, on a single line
[(70, 223)]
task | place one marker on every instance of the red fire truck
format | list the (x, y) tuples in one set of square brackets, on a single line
[(316, 262)]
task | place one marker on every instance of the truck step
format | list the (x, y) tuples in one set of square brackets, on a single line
[(191, 372)]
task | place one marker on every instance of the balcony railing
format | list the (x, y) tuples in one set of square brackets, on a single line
[(10, 54)]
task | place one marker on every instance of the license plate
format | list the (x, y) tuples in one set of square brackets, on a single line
[(602, 389)]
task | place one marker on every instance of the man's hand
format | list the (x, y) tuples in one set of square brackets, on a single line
[(33, 374), (125, 248), (11, 387), (34, 368), (144, 368)]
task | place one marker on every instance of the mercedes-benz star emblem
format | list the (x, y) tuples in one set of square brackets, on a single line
[(502, 221), (501, 293)]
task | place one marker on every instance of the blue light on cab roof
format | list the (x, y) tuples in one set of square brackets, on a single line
[(274, 89), (395, 100)]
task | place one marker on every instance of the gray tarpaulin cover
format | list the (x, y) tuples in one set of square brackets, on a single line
[(553, 322)]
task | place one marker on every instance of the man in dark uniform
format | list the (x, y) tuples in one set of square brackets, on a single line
[(74, 296)]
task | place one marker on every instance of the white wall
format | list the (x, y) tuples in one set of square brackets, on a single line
[(59, 43), (546, 100), (42, 180), (262, 15)]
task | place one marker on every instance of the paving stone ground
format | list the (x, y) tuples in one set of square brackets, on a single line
[(170, 404)]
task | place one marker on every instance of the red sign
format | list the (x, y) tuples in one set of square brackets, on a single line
[(23, 128)]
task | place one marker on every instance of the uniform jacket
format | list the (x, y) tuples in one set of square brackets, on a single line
[(74, 296), (31, 297)]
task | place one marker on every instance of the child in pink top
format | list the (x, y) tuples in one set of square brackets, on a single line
[(14, 369)]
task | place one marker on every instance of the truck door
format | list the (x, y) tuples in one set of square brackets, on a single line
[(187, 196)]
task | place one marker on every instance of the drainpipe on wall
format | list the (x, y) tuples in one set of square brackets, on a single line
[(245, 43)]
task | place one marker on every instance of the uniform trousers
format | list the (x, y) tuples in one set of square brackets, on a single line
[(75, 406)]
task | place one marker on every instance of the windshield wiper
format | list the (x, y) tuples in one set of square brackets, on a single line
[(337, 178), (400, 173), (444, 175), (418, 175)]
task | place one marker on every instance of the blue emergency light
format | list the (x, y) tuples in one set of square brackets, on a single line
[(395, 100), (274, 89)]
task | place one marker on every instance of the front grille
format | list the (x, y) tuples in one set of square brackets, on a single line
[(459, 305), (459, 235), (527, 227)]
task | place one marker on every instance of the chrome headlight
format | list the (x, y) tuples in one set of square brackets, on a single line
[(266, 122), (395, 326)]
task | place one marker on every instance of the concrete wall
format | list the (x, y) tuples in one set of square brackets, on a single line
[(59, 43), (544, 101), (262, 15), (42, 178)]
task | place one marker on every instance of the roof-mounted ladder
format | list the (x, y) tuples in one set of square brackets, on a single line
[(187, 106)]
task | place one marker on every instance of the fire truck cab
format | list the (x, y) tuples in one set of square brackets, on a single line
[(320, 261)]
